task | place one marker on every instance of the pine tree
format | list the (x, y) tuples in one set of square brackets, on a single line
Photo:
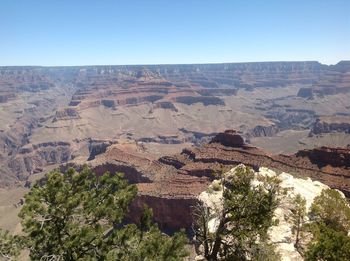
[(330, 225), (10, 245), (243, 222), (298, 219), (331, 209), (79, 216), (329, 245)]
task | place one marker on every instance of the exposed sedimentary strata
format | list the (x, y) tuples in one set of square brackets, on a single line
[(323, 164), (328, 157), (112, 102), (333, 81), (33, 158), (288, 118), (97, 147), (168, 193), (217, 91), (205, 100), (321, 91), (170, 185), (165, 105), (229, 138), (164, 139), (170, 213), (263, 131), (281, 235), (331, 124), (66, 114)]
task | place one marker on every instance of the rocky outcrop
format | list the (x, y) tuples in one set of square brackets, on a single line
[(151, 98), (288, 118), (196, 137), (324, 156), (281, 234), (66, 114), (321, 91), (229, 138), (130, 101), (97, 147), (109, 103), (73, 103), (169, 193), (217, 92), (305, 93), (327, 165), (130, 172), (171, 214), (171, 161), (199, 99), (331, 125), (163, 139), (165, 105), (33, 158), (171, 184), (263, 131)]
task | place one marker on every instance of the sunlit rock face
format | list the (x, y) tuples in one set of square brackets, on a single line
[(281, 235)]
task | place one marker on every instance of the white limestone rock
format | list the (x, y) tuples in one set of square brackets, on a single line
[(280, 234)]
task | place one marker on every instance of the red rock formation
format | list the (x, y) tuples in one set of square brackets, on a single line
[(171, 184), (335, 157), (171, 214), (169, 193), (229, 138), (37, 156)]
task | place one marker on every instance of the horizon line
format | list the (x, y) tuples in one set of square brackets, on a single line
[(159, 64)]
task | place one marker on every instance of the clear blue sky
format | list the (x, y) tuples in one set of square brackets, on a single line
[(86, 32)]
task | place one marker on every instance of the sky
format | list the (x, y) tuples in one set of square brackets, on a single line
[(98, 32)]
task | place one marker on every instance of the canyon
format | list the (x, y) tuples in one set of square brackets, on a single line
[(164, 126), (170, 185)]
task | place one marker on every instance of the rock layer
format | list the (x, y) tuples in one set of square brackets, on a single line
[(331, 125), (159, 104), (170, 185)]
